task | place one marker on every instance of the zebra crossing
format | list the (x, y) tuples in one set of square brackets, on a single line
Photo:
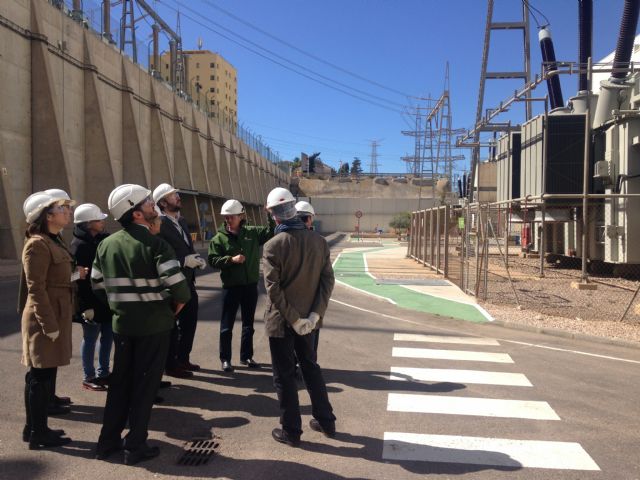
[(462, 449)]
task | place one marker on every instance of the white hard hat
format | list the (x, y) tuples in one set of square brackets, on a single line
[(278, 196), (59, 194), (36, 203), (232, 207), (162, 191), (88, 212), (124, 197), (305, 208)]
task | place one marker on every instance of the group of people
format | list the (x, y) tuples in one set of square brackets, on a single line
[(135, 290)]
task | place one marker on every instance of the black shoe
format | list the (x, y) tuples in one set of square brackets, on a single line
[(328, 430), (131, 457), (46, 440), (93, 385), (104, 381), (250, 362), (164, 384), (226, 366), (281, 436), (178, 372), (61, 400), (105, 451), (158, 399), (26, 433), (54, 409)]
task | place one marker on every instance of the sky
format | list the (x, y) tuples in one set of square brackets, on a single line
[(387, 52)]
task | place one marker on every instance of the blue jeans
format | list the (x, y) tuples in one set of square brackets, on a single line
[(88, 349)]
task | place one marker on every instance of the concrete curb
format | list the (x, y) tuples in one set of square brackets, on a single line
[(335, 238), (566, 334)]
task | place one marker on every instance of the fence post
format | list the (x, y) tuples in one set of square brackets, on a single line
[(446, 241), (431, 238), (438, 224), (425, 244)]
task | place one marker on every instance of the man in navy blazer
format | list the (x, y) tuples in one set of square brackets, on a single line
[(174, 230)]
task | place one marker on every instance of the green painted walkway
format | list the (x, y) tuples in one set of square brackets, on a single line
[(350, 269)]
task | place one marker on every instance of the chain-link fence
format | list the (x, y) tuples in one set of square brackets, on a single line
[(531, 255)]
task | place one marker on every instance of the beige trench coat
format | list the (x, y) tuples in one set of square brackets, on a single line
[(298, 277), (47, 271)]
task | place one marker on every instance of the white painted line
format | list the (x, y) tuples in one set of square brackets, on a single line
[(486, 451), (366, 266), (481, 407), (482, 311), (573, 351), (386, 299), (451, 355), (442, 329), (413, 337), (459, 376)]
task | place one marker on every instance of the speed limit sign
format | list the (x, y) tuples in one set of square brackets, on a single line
[(358, 214)]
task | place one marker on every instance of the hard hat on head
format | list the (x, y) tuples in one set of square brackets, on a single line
[(232, 207), (279, 196), (162, 191), (305, 208), (88, 212), (36, 203), (61, 195), (124, 197)]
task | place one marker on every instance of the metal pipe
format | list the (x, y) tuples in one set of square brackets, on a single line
[(549, 59), (585, 177), (626, 36), (155, 28), (585, 27), (173, 53)]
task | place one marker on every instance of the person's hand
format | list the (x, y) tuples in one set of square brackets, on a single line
[(238, 258), (315, 318), (53, 335), (203, 263), (88, 316), (303, 326), (178, 307), (192, 261), (82, 272)]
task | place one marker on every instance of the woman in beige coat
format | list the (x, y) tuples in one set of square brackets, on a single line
[(46, 318)]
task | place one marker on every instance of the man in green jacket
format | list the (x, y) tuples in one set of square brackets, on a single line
[(235, 251), (138, 275)]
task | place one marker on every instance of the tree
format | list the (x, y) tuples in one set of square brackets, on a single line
[(356, 166), (295, 163), (400, 221), (344, 169)]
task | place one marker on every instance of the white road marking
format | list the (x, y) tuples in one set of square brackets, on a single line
[(459, 376), (442, 329), (482, 407), (486, 451), (412, 337), (451, 355)]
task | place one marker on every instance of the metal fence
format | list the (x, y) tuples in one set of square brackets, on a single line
[(493, 252)]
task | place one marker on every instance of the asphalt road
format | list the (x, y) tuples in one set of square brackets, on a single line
[(464, 401)]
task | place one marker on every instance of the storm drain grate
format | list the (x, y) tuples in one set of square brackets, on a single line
[(198, 451)]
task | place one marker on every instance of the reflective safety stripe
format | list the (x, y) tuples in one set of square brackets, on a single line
[(168, 265), (173, 279), (95, 273), (136, 297), (131, 282)]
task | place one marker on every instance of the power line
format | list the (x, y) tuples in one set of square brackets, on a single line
[(297, 49), (282, 58)]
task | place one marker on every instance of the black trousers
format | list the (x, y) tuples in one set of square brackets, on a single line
[(38, 388), (245, 297), (138, 364), (284, 352), (183, 333)]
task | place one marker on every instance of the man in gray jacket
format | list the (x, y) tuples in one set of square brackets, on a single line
[(299, 280)]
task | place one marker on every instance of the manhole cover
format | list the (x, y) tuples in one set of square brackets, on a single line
[(198, 451)]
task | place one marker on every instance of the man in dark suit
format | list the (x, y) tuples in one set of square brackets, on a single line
[(175, 232)]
